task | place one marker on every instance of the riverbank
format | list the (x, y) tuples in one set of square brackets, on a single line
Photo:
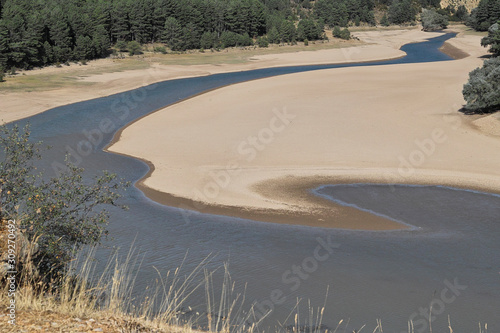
[(32, 92), (241, 151)]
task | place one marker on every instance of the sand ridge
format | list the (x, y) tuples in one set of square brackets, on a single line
[(255, 149)]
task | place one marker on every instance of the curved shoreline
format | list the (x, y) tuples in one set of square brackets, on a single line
[(319, 212)]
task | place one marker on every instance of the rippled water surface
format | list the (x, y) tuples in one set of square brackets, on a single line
[(370, 275)]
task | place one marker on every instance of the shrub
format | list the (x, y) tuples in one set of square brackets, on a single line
[(61, 214), (343, 34), (306, 42), (160, 49), (2, 75), (134, 48), (262, 41), (481, 91), (121, 46)]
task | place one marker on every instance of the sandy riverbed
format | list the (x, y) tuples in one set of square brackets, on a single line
[(255, 149)]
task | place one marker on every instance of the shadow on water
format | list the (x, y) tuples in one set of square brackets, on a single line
[(386, 275)]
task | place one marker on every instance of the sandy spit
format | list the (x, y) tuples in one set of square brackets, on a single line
[(255, 149)]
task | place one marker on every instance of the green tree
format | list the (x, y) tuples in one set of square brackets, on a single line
[(209, 40), (461, 14), (60, 36), (287, 31), (61, 214), (308, 29), (4, 45), (84, 48), (172, 34), (493, 39), (401, 12), (273, 36), (384, 21), (432, 20), (481, 91)]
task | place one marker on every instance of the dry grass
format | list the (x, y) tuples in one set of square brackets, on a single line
[(52, 77), (85, 301)]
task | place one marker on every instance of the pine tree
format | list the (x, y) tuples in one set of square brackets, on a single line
[(60, 36), (4, 45), (172, 34)]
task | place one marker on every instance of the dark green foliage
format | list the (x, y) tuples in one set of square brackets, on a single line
[(262, 41), (384, 21), (61, 214), (486, 14), (461, 14), (38, 33), (287, 32), (343, 34), (121, 46), (209, 40), (230, 39), (134, 48), (2, 74), (432, 20), (309, 29), (481, 91), (402, 12), (341, 12), (493, 39), (172, 34), (160, 49)]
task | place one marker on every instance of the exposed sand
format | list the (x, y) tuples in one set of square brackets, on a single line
[(254, 149)]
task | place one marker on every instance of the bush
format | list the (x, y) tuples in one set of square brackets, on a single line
[(343, 34), (306, 42), (481, 91), (134, 48), (262, 41), (160, 49), (2, 75), (121, 46), (60, 215), (432, 20), (230, 39)]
